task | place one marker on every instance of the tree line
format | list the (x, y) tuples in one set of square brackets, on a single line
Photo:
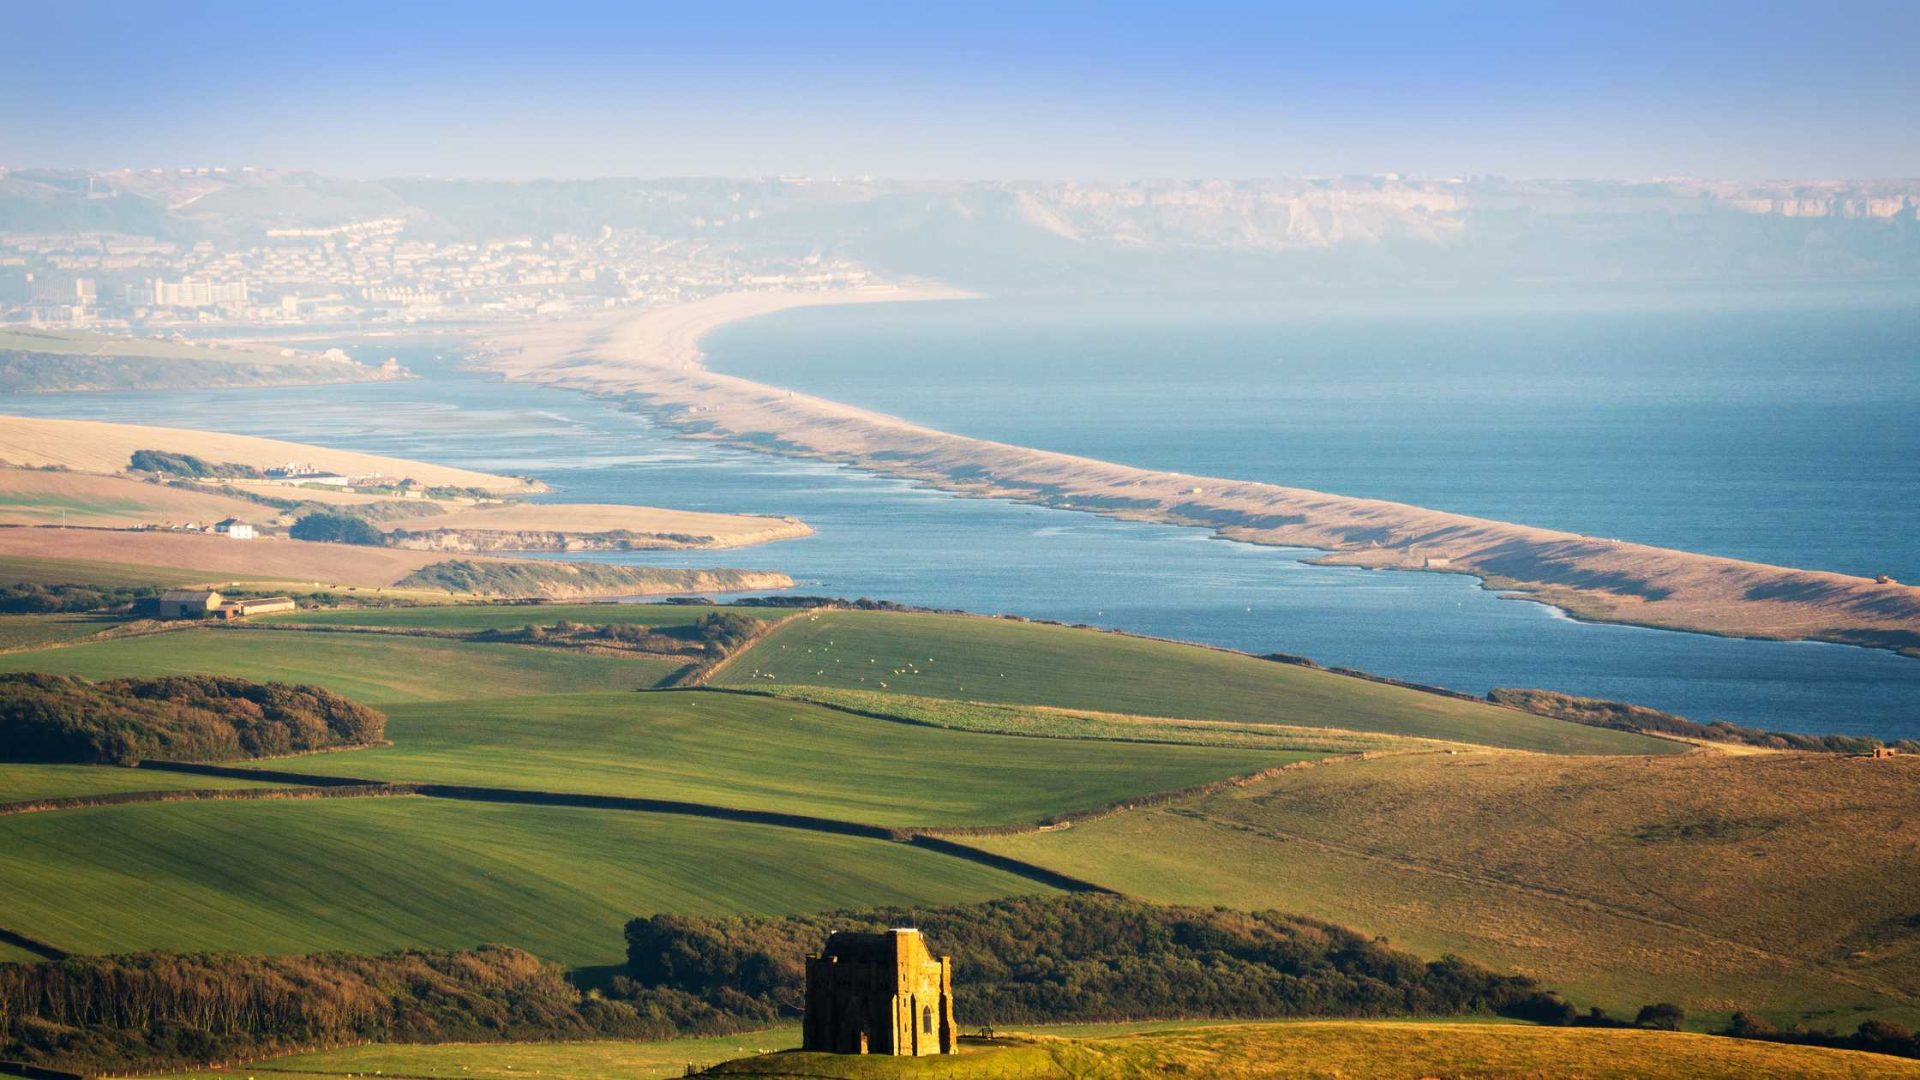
[(1598, 712), (64, 718), (170, 463), (153, 1010), (1087, 958)]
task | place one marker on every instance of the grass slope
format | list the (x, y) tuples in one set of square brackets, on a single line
[(381, 873), (1384, 1050), (997, 660), (767, 754), (38, 631), (376, 670), (469, 617), (593, 1060), (20, 782), (1043, 722), (1778, 882)]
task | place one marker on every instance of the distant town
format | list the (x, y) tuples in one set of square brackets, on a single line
[(373, 271)]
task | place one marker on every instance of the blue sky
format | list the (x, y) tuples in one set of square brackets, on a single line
[(957, 91)]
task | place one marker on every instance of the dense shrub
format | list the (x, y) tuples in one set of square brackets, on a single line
[(180, 717), (168, 463), (1087, 958), (1875, 1036), (23, 597), (331, 528), (157, 1009), (1663, 1016), (1597, 712)]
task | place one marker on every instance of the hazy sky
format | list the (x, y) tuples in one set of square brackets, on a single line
[(967, 90)]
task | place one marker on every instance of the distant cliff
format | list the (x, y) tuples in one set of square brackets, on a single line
[(1338, 229)]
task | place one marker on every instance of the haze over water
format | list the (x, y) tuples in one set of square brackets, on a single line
[(1778, 426), (885, 538)]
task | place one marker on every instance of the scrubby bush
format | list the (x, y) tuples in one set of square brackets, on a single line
[(1089, 958), (22, 597), (157, 1009), (169, 463), (330, 528), (179, 717)]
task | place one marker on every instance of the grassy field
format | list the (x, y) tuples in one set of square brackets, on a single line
[(996, 660), (1351, 1048), (375, 669), (594, 1060), (1780, 882), (1035, 721), (469, 617), (1384, 1050), (19, 782), (767, 754), (368, 874), (39, 631)]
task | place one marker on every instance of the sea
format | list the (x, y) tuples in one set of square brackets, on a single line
[(1776, 428)]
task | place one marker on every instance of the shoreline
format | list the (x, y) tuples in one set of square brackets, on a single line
[(652, 360)]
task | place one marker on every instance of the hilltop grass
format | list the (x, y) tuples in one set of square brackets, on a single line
[(592, 1060), (1781, 883), (375, 670), (995, 660), (472, 617), (371, 874), (22, 782), (767, 754), (1375, 1049), (1034, 721)]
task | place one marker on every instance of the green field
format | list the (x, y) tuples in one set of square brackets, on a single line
[(370, 874), (1043, 722), (375, 669), (997, 660), (511, 616), (20, 782), (767, 754), (38, 631)]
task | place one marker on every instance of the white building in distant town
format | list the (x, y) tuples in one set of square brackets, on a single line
[(235, 529)]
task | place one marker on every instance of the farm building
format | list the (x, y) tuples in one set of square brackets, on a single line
[(188, 603), (879, 994), (264, 605), (234, 528), (205, 603)]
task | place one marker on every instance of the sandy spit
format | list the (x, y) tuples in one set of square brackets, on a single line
[(652, 358)]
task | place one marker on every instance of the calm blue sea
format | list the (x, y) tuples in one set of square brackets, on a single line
[(1782, 426), (883, 538)]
